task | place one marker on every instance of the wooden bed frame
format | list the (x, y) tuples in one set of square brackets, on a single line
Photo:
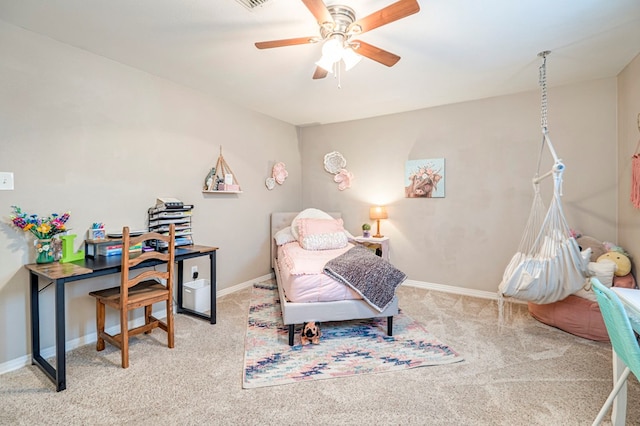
[(298, 313)]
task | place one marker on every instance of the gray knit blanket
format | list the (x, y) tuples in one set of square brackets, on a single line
[(372, 277)]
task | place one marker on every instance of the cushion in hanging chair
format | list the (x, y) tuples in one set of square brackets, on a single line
[(577, 315)]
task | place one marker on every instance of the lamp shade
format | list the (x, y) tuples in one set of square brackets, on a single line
[(378, 212), (350, 58), (326, 64)]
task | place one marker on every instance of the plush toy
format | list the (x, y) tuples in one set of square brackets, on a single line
[(623, 264), (310, 333), (597, 248)]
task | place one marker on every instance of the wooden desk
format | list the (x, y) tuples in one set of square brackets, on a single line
[(630, 299), (62, 273)]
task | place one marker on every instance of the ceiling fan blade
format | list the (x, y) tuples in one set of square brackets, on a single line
[(286, 42), (391, 13), (319, 10), (375, 53), (320, 73)]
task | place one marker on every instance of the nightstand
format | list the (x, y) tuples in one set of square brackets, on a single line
[(376, 243)]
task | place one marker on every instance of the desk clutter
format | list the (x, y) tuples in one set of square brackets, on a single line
[(107, 247), (167, 211)]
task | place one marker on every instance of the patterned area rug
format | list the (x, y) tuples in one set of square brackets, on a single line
[(346, 348)]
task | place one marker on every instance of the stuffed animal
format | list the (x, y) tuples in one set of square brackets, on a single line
[(310, 333), (597, 248), (623, 264)]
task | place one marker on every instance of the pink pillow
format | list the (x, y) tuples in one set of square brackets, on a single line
[(321, 234)]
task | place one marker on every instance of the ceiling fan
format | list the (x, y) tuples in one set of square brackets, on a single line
[(338, 26)]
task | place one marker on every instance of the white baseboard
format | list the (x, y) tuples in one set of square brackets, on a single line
[(451, 289), (48, 352), (242, 286), (25, 360)]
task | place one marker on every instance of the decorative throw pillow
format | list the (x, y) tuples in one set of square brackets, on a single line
[(307, 214), (603, 270), (321, 234), (284, 236)]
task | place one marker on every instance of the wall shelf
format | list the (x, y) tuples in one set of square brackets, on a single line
[(221, 179)]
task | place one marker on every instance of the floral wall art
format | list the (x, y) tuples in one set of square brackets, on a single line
[(278, 175), (336, 164), (424, 178)]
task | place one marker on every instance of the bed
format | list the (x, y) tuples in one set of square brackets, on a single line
[(324, 310)]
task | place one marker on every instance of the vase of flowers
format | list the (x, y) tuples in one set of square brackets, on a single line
[(44, 229), (44, 250)]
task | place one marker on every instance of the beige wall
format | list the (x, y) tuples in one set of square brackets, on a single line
[(491, 150), (628, 140), (86, 134)]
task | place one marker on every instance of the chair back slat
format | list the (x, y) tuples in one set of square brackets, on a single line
[(142, 257), (130, 278), (146, 276), (616, 320)]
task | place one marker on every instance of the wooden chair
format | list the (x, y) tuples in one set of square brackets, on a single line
[(138, 290)]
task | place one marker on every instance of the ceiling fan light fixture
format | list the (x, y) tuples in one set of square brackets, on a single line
[(326, 64), (337, 25), (332, 49), (350, 58)]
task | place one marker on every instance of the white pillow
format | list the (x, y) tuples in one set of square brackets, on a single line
[(603, 270), (307, 214), (284, 236)]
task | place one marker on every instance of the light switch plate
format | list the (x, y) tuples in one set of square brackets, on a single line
[(6, 181)]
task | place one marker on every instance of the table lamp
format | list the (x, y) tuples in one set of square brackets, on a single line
[(377, 213)]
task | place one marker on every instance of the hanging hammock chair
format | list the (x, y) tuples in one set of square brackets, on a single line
[(548, 265)]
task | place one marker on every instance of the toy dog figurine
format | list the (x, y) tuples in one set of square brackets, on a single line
[(310, 333)]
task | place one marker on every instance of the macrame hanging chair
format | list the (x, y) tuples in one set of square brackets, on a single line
[(548, 265)]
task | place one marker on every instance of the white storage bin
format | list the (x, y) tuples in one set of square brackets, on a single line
[(196, 295)]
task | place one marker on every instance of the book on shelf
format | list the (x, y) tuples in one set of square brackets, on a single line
[(116, 249)]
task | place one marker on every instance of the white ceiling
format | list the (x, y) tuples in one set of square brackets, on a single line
[(452, 50)]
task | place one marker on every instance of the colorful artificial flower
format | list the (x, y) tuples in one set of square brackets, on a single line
[(42, 228)]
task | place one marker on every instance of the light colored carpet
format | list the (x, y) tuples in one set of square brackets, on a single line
[(346, 348), (525, 373)]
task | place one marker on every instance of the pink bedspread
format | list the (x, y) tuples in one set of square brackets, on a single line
[(299, 281), (307, 262)]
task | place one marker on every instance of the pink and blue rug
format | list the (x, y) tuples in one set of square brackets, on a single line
[(346, 348)]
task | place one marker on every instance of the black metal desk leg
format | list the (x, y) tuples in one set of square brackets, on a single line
[(61, 358), (212, 260), (35, 318), (57, 375), (180, 285)]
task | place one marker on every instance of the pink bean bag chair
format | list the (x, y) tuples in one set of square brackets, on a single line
[(578, 315)]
